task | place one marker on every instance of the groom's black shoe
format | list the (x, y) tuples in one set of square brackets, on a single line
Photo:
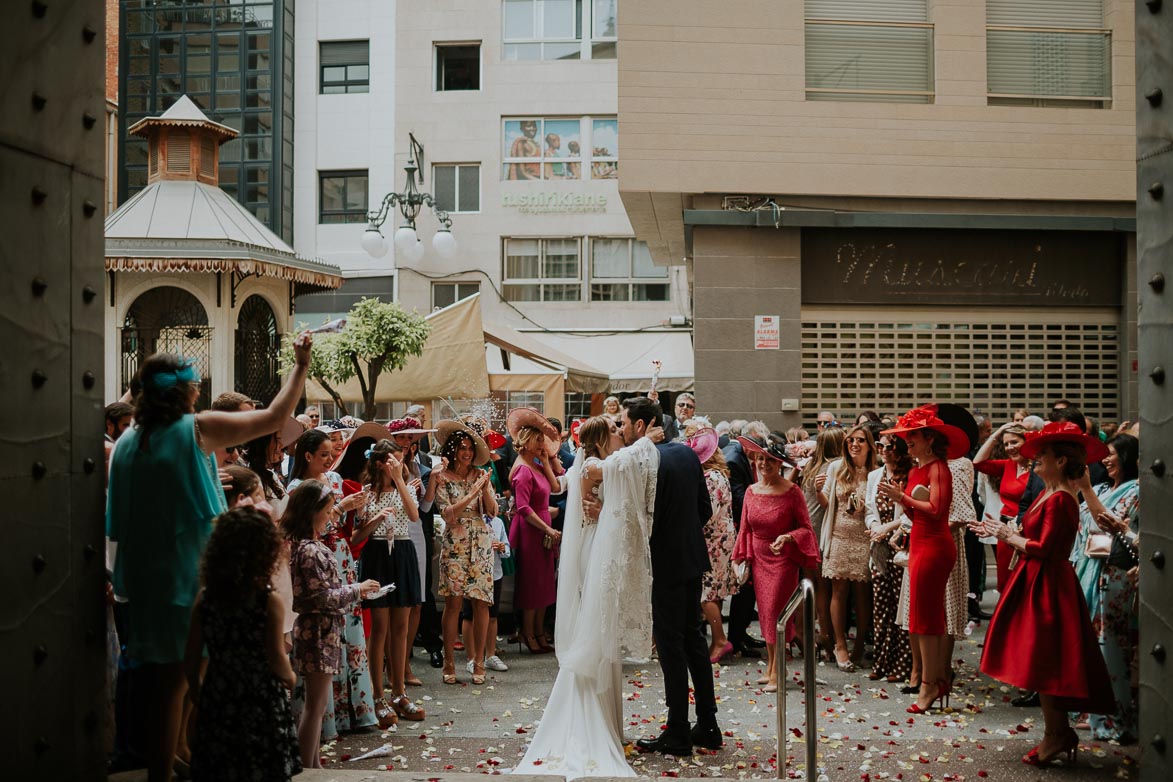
[(707, 736), (665, 743)]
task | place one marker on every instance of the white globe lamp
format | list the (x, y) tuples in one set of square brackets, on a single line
[(404, 238), (414, 253), (372, 242), (444, 243)]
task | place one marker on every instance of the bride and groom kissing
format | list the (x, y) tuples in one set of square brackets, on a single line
[(651, 504)]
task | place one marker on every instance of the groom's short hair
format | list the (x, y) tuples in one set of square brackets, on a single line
[(640, 408)]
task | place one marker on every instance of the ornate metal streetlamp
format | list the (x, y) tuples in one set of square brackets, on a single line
[(410, 201)]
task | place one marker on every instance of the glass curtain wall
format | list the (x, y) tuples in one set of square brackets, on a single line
[(234, 59)]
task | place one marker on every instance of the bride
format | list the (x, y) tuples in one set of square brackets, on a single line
[(604, 610)]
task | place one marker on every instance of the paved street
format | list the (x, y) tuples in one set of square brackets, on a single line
[(864, 732)]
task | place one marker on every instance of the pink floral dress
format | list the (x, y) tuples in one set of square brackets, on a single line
[(720, 536)]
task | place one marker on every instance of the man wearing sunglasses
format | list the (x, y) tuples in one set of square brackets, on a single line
[(685, 409)]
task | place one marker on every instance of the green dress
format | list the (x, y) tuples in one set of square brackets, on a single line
[(162, 495)]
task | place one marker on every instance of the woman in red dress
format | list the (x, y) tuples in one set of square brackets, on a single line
[(932, 552), (775, 538), (1040, 637), (1012, 474)]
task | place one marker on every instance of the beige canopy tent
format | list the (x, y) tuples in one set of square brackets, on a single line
[(452, 364), (466, 358)]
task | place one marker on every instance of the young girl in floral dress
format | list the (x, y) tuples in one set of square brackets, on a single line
[(320, 600), (353, 706)]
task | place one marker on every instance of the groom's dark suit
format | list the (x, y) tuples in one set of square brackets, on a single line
[(679, 559)]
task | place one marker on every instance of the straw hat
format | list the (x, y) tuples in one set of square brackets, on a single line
[(351, 461), (448, 427), (528, 416)]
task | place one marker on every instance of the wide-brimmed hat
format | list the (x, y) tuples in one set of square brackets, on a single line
[(773, 449), (329, 427), (407, 425), (351, 461), (926, 417), (703, 443), (290, 430), (1063, 432), (447, 427), (528, 416), (956, 415)]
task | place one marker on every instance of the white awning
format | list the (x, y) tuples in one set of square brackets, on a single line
[(581, 376), (627, 356)]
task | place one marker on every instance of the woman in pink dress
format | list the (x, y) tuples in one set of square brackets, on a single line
[(775, 538), (532, 537)]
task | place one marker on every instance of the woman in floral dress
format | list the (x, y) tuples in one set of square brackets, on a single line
[(719, 582), (352, 708), (464, 496), (1110, 591)]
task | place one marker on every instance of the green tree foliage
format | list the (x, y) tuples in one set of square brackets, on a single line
[(378, 339)]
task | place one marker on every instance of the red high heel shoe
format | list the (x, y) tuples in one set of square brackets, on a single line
[(1068, 747), (916, 708)]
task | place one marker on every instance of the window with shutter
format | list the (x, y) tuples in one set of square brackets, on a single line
[(1052, 54), (860, 50), (207, 156), (345, 66)]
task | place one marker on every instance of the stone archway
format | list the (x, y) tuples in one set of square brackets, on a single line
[(256, 348), (168, 319)]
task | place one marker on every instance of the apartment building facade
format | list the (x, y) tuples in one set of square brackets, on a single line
[(515, 104), (886, 204)]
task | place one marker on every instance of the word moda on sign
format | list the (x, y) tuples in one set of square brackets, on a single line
[(552, 202)]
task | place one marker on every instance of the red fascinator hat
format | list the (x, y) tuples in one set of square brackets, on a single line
[(1063, 432), (926, 418)]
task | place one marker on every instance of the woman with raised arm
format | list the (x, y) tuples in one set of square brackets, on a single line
[(1012, 474), (163, 494)]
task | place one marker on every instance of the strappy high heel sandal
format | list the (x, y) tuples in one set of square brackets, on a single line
[(385, 714), (478, 673), (1069, 747), (449, 672), (407, 709)]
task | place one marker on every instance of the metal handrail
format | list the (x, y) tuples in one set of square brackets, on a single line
[(803, 596)]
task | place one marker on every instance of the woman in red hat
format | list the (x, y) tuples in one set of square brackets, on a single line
[(1040, 637), (931, 550)]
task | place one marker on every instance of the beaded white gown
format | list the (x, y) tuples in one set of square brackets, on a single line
[(604, 613)]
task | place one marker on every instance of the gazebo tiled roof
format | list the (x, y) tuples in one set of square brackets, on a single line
[(183, 222)]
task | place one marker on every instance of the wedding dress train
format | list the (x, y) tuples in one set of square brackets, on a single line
[(604, 613)]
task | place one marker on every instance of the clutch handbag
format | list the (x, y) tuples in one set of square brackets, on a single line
[(741, 572), (1098, 546), (547, 542), (900, 558), (921, 493)]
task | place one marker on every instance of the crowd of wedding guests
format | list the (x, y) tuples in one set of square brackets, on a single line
[(271, 576), (892, 517)]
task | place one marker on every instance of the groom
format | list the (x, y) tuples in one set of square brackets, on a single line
[(679, 559)]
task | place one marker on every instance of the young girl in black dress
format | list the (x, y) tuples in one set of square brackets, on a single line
[(243, 728)]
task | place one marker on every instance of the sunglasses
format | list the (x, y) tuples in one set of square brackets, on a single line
[(234, 448), (887, 447), (859, 440), (686, 405)]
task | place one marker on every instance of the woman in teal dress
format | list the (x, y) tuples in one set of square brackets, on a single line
[(163, 493), (1113, 508)]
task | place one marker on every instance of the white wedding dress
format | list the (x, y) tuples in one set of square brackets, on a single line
[(604, 614)]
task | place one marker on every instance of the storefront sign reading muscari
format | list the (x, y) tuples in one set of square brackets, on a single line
[(961, 267), (555, 202)]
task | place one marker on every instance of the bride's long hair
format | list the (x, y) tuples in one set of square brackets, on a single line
[(594, 435)]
